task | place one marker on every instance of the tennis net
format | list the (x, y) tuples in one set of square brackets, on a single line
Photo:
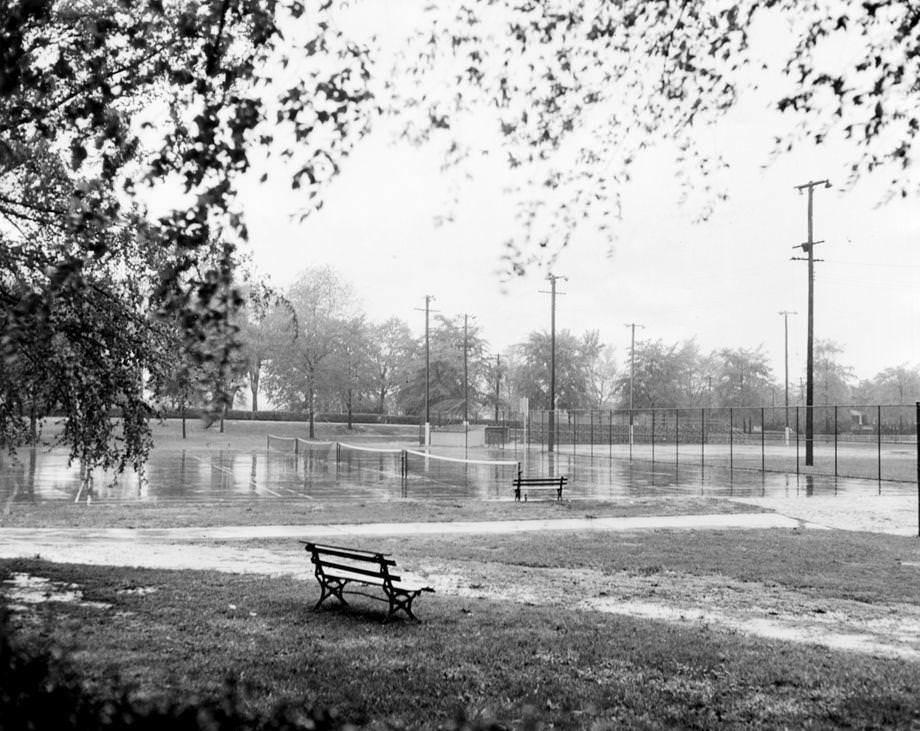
[(470, 473), (313, 447), (383, 462), (288, 445)]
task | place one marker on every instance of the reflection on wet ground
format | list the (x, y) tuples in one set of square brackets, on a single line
[(318, 474)]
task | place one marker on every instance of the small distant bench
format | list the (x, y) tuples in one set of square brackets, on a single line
[(538, 483), (336, 567)]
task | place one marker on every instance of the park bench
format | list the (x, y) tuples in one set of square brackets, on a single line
[(336, 567), (538, 483)]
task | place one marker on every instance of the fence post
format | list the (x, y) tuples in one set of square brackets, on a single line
[(629, 436), (702, 438), (591, 416), (879, 407), (835, 440), (653, 436), (763, 447), (676, 438), (796, 440), (610, 434), (574, 432), (917, 433), (731, 438)]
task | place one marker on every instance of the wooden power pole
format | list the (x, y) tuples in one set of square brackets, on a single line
[(808, 247)]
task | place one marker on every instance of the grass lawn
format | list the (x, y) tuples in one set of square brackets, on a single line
[(60, 514), (503, 658)]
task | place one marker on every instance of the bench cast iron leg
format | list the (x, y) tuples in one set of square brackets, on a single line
[(401, 600), (331, 587)]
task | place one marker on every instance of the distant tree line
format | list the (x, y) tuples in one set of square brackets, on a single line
[(311, 349)]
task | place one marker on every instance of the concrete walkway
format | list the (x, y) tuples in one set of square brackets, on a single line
[(190, 548), (38, 536)]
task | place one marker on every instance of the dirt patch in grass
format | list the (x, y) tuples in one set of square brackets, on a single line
[(753, 608)]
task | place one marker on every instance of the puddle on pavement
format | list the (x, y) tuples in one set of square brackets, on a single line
[(23, 590), (190, 475)]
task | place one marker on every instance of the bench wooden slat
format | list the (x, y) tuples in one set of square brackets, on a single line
[(357, 570), (348, 576), (355, 554)]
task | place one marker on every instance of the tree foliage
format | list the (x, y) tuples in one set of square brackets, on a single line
[(658, 374), (304, 363), (575, 92), (833, 379), (577, 360), (894, 385), (393, 352), (101, 103), (744, 378), (450, 394)]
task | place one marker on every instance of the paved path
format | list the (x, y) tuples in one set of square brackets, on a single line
[(331, 530), (188, 548)]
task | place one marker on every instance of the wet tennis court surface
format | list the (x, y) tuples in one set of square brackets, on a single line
[(331, 473)]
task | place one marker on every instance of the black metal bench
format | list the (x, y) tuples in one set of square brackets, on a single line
[(538, 483), (335, 567)]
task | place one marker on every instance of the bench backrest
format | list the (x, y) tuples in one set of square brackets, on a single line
[(521, 480), (351, 560)]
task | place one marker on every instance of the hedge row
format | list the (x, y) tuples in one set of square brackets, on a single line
[(244, 415)]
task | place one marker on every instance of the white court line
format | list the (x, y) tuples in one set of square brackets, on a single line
[(212, 465), (443, 458), (294, 493), (229, 472)]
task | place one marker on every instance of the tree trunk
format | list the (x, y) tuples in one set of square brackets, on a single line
[(348, 407), (311, 431), (254, 388), (182, 416)]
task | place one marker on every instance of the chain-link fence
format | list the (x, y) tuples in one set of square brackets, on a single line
[(876, 442)]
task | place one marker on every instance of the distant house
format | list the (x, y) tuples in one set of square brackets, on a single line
[(858, 421)]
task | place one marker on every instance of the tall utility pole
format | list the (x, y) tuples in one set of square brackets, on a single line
[(427, 310), (785, 314), (632, 373), (552, 359), (808, 247)]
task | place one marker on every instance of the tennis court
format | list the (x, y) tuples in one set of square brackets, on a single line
[(298, 469)]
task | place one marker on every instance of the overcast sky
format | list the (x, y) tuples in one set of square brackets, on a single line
[(722, 282)]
